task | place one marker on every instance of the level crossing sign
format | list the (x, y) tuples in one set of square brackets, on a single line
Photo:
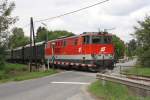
[(53, 59)]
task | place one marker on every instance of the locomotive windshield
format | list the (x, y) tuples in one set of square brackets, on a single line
[(101, 39)]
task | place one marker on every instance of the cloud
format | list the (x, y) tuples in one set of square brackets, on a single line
[(124, 7), (121, 14)]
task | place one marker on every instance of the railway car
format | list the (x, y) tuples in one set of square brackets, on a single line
[(25, 53), (90, 50), (8, 55), (32, 52), (18, 54)]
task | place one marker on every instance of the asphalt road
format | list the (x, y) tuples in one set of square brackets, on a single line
[(68, 85)]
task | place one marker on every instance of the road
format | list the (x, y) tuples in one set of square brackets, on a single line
[(67, 85)]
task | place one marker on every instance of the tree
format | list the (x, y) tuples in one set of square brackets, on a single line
[(119, 47), (131, 48), (5, 21), (59, 33), (18, 38), (43, 34), (142, 34)]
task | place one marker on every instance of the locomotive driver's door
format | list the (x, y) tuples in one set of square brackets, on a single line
[(80, 45), (86, 42)]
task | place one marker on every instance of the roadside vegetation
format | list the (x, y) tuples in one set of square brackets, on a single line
[(140, 45), (18, 72), (141, 71), (112, 91)]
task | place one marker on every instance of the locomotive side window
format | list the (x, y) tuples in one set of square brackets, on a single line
[(86, 40), (75, 41), (64, 43)]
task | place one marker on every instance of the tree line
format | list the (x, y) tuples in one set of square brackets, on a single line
[(18, 38)]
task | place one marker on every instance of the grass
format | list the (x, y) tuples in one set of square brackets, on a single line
[(31, 75), (112, 91), (144, 71), (18, 72)]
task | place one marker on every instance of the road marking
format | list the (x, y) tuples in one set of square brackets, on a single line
[(77, 83)]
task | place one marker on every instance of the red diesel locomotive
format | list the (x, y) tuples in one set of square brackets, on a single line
[(91, 50)]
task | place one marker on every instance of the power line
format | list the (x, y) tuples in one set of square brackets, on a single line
[(71, 12), (61, 15)]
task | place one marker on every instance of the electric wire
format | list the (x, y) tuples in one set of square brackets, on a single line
[(68, 13)]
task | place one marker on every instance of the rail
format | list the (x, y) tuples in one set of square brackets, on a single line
[(125, 81)]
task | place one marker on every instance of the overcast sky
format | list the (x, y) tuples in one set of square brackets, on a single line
[(119, 14)]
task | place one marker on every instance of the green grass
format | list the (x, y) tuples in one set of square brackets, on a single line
[(145, 71), (18, 72), (112, 91), (31, 75)]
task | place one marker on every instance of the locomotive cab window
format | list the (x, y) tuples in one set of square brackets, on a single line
[(101, 39), (96, 39)]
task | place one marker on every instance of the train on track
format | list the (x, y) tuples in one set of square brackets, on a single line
[(90, 50)]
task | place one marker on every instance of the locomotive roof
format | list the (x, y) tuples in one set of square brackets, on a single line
[(84, 34)]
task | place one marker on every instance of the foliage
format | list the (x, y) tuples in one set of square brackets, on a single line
[(43, 34), (2, 56), (18, 72), (5, 21), (142, 34), (31, 75), (13, 68), (17, 39), (131, 48), (119, 47), (112, 91)]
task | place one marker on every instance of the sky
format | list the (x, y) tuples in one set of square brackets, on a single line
[(119, 15)]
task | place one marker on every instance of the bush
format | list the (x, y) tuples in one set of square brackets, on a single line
[(14, 68), (145, 58), (3, 76), (2, 57)]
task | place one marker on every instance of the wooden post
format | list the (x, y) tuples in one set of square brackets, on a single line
[(32, 39), (30, 59)]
